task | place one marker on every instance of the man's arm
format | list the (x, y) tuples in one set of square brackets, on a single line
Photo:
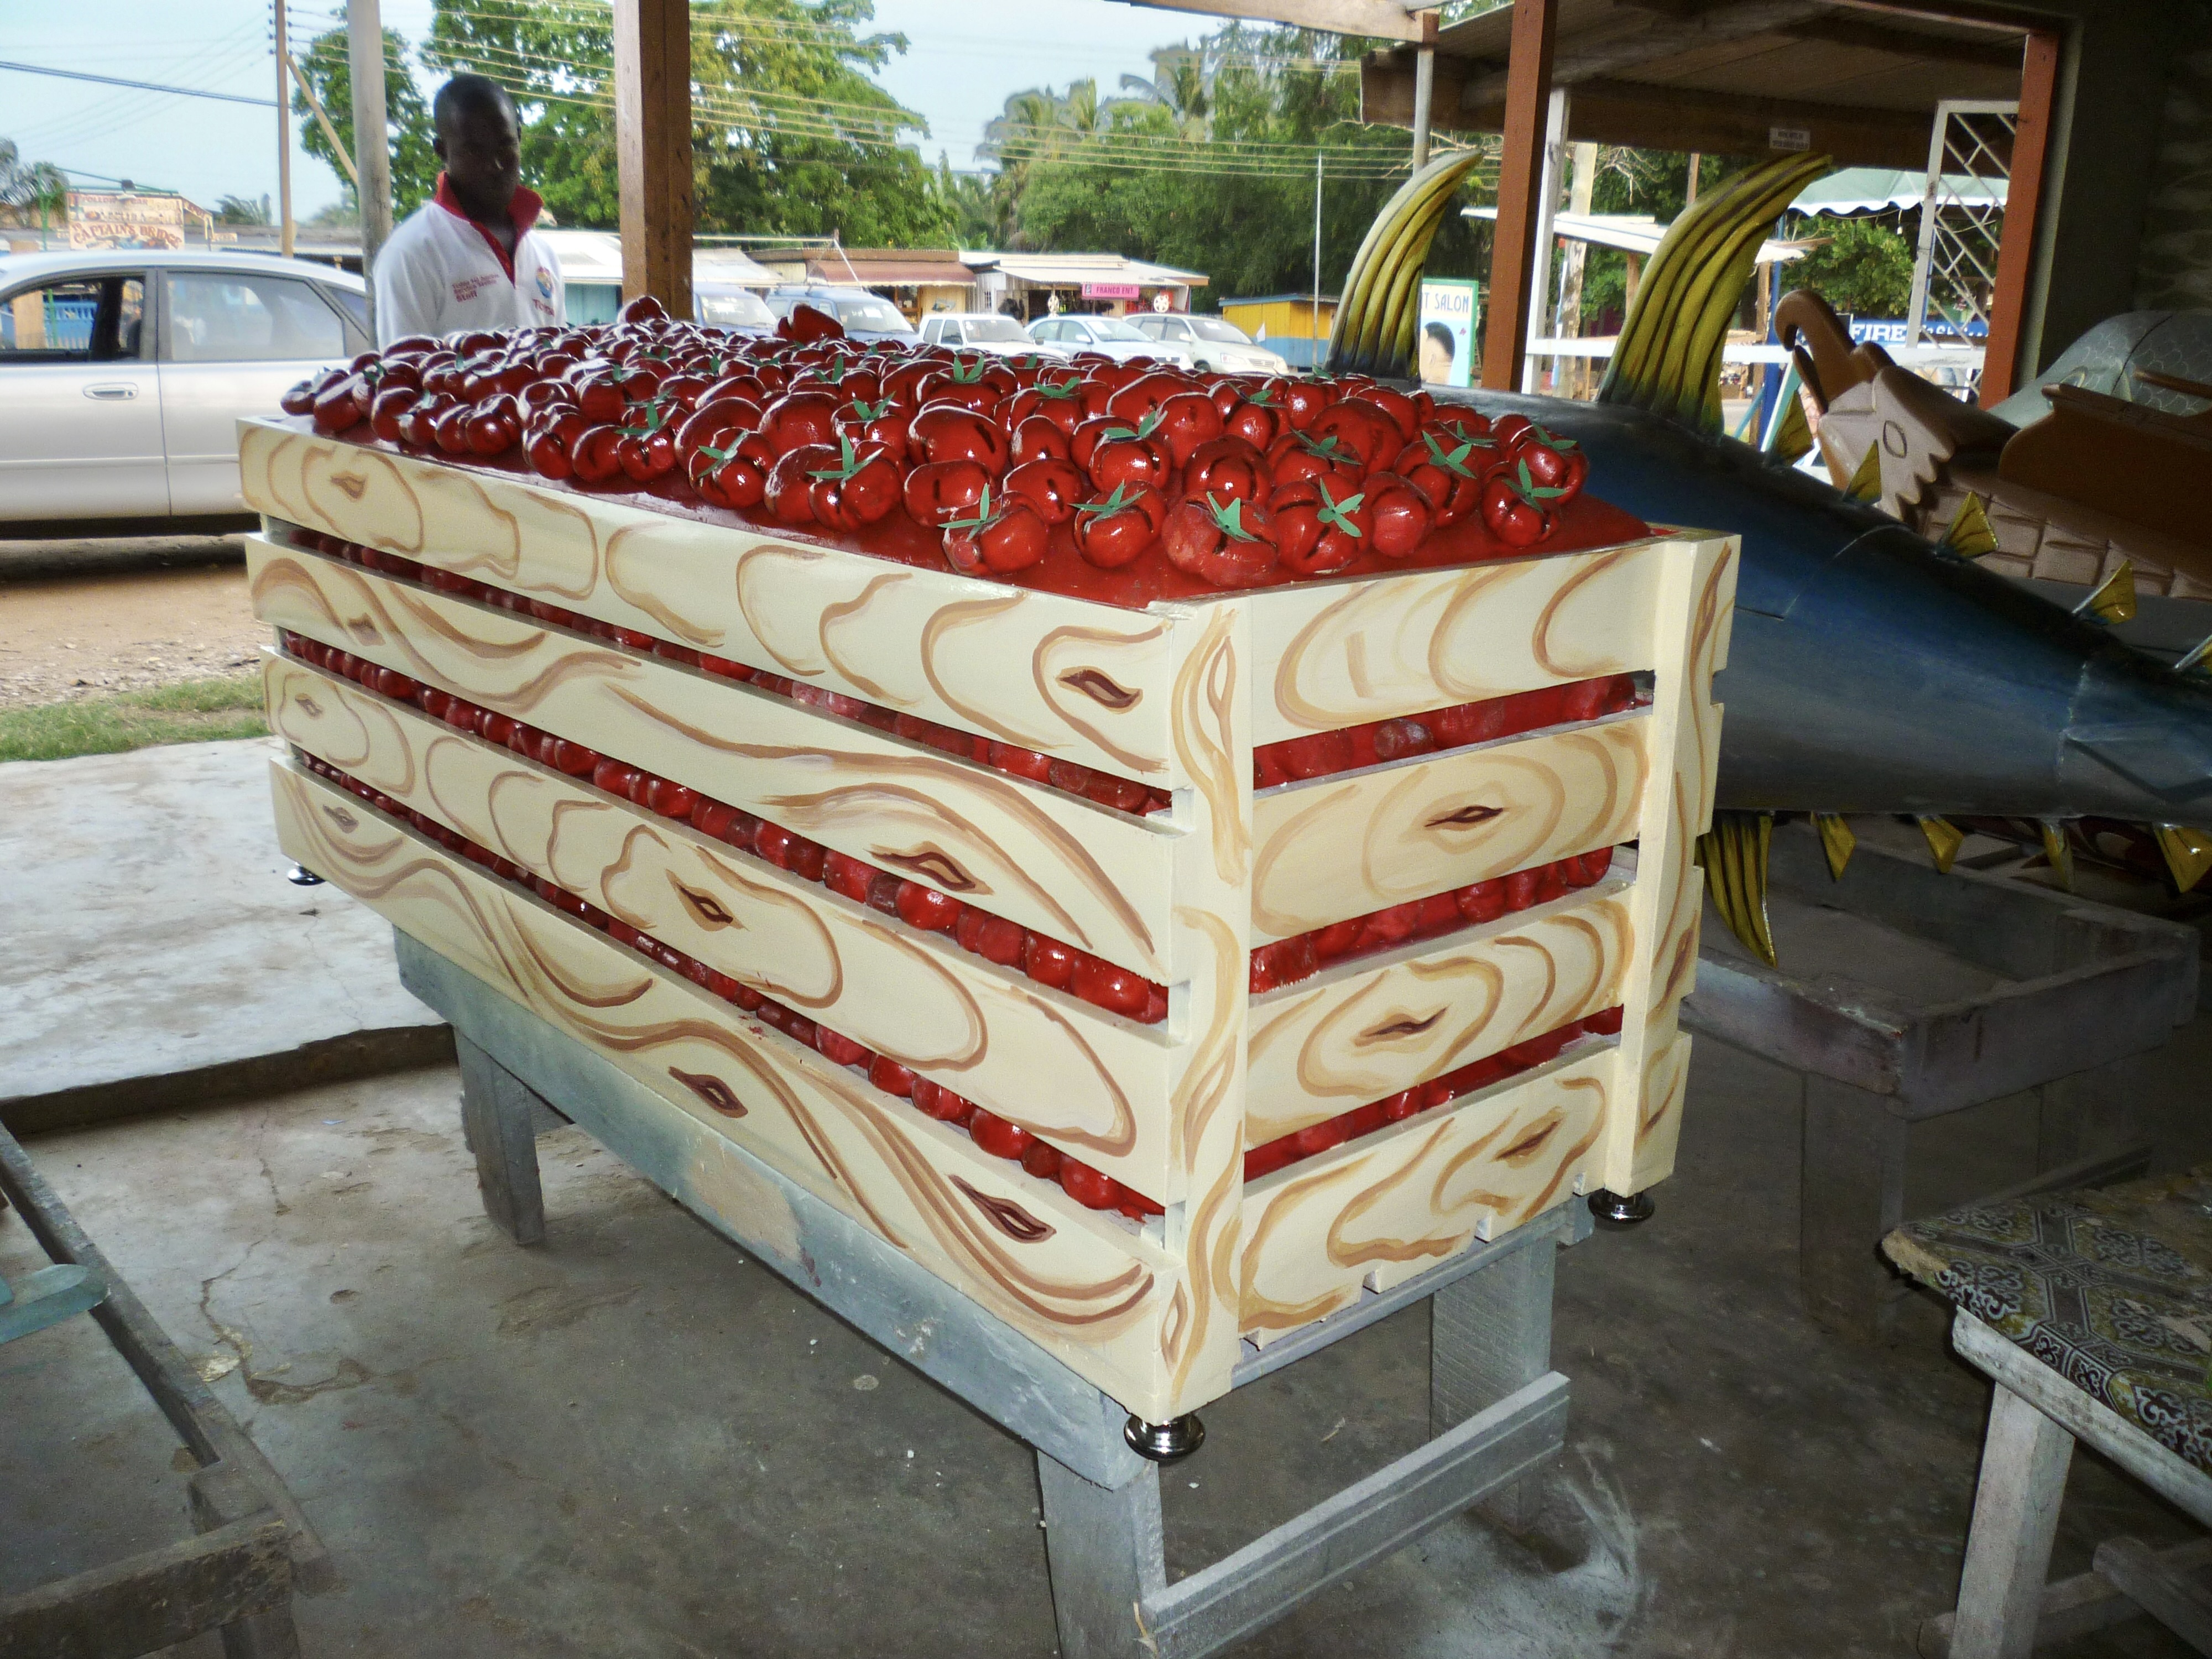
[(408, 293)]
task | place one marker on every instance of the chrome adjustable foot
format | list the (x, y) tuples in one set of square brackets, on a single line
[(299, 876), (1621, 1209), (1165, 1442)]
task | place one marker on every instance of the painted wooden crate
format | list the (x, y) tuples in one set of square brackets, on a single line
[(1152, 1308)]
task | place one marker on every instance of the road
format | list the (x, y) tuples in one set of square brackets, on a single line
[(79, 618)]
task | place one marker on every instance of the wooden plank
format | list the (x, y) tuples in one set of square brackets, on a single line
[(1093, 1290), (1513, 251), (149, 1602), (1364, 1031), (1079, 681), (1696, 602), (1385, 20), (1340, 654), (2003, 368), (2073, 1607), (1085, 1080), (2170, 1597), (1078, 873), (1392, 1204), (1344, 846), (1212, 713), (652, 149)]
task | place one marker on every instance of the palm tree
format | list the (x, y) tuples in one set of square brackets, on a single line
[(25, 186), (1178, 85)]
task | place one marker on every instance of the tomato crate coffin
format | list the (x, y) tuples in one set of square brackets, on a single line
[(1544, 1035)]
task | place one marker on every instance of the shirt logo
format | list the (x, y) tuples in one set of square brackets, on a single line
[(545, 283), (469, 287)]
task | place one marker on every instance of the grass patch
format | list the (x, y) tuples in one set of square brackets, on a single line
[(190, 711)]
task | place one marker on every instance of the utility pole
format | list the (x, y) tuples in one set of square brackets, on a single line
[(283, 131), (372, 144), (1314, 365)]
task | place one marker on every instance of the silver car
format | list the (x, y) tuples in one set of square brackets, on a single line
[(1214, 343), (122, 373), (985, 331), (1109, 336)]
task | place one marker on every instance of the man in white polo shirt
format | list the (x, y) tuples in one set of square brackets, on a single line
[(467, 258)]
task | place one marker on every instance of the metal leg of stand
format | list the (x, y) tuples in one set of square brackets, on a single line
[(1490, 1335), (499, 1115)]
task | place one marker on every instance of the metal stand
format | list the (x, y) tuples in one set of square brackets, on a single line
[(1498, 1410), (253, 1546)]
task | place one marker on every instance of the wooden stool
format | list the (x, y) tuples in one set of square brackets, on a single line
[(2092, 1313)]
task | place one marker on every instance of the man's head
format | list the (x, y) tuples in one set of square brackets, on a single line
[(479, 139)]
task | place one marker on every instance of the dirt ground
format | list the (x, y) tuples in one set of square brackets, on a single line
[(80, 620)]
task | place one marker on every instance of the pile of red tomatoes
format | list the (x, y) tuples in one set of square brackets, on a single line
[(1239, 479)]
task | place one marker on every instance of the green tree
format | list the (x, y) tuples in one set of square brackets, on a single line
[(329, 69), (1210, 168), (792, 136), (242, 210), (1864, 266), (30, 190)]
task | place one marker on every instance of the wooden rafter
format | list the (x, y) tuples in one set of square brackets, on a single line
[(1519, 174)]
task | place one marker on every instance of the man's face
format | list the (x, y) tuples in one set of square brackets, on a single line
[(482, 153)]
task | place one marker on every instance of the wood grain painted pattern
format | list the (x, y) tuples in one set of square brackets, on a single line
[(1338, 654), (1093, 1292), (1212, 779), (1338, 846), (1086, 1081), (1363, 1030), (1381, 1209), (1065, 677), (1695, 607), (1082, 873)]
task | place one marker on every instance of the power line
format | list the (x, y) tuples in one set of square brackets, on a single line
[(140, 86)]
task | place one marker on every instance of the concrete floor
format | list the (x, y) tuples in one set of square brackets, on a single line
[(634, 1441), (157, 956)]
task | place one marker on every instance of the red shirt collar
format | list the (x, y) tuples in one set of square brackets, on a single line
[(524, 210)]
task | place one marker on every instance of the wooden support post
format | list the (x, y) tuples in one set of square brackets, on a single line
[(1520, 181), (1851, 1193), (2024, 1460), (653, 145), (1547, 208), (2002, 367), (1424, 94), (372, 142)]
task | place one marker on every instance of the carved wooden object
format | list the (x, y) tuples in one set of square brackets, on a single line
[(1176, 696)]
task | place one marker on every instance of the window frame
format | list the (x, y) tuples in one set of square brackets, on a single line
[(168, 334), (107, 319)]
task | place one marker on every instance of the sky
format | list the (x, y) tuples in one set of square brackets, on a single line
[(966, 56)]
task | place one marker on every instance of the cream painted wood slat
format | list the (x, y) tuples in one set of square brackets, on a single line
[(1382, 1208), (1078, 873), (1068, 678), (1363, 1030), (1084, 1079), (1335, 654), (1210, 715), (1696, 606), (1345, 846), (1093, 1292)]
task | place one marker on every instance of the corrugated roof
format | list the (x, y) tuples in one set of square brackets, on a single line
[(1068, 270), (892, 269)]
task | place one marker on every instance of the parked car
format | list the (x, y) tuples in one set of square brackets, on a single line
[(866, 316), (985, 331), (726, 305), (1215, 343), (122, 375), (1109, 335)]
